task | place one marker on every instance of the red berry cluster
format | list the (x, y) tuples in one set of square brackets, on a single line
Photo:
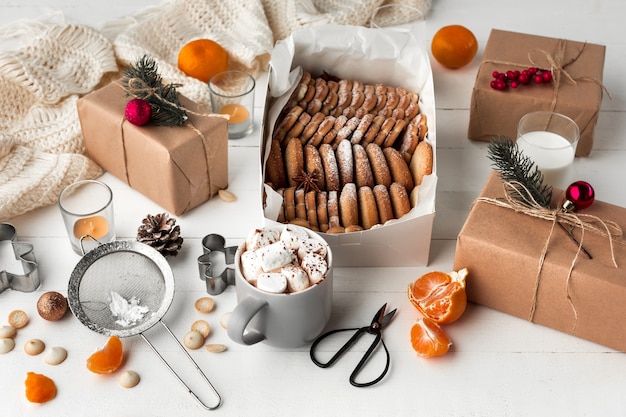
[(501, 80)]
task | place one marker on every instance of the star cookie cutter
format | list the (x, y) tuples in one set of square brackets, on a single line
[(29, 281), (213, 245)]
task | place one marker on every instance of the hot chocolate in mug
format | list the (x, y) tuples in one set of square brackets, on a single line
[(285, 320)]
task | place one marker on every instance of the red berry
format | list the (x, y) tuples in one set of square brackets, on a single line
[(524, 78), (538, 79), (547, 76), (514, 84), (495, 74)]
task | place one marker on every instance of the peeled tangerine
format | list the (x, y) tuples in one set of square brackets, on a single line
[(108, 359), (441, 298)]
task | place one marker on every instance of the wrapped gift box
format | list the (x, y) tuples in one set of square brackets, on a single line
[(370, 56), (494, 112), (502, 249), (177, 167)]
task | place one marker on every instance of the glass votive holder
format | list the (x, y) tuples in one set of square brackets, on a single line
[(400, 18), (87, 210), (232, 93), (549, 139)]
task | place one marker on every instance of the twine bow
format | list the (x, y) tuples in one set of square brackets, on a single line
[(519, 199)]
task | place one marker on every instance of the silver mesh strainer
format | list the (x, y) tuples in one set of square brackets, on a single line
[(137, 274)]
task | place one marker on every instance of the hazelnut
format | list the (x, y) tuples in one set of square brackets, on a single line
[(34, 347), (128, 379), (6, 345), (52, 306), (193, 340), (55, 355)]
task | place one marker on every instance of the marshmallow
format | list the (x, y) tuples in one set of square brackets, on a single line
[(258, 238), (293, 236), (250, 266), (297, 278), (274, 256), (273, 282), (315, 265), (311, 246)]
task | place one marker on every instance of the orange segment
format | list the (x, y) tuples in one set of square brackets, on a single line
[(39, 388), (440, 296), (454, 46), (108, 359), (202, 58), (428, 339)]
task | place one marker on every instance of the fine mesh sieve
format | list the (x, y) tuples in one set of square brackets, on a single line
[(141, 277)]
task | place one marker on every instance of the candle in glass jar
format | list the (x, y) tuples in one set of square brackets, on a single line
[(95, 226), (237, 112), (552, 153)]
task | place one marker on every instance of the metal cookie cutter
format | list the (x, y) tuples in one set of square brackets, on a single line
[(29, 281), (215, 253)]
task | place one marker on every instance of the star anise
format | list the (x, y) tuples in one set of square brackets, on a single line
[(308, 181)]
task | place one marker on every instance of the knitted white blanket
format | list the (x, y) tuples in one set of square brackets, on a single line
[(41, 147)]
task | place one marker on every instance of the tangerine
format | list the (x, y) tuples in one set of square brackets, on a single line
[(39, 388), (440, 296), (202, 59), (108, 359), (454, 46), (428, 338)]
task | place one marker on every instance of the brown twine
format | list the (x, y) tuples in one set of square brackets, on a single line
[(134, 87), (519, 199), (556, 67)]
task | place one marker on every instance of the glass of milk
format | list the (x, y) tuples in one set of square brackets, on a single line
[(549, 139)]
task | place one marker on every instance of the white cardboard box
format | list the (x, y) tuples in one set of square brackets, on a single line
[(371, 56)]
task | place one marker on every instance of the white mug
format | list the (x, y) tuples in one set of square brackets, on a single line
[(281, 320)]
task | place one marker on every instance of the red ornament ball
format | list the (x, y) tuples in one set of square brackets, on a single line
[(138, 111), (580, 194)]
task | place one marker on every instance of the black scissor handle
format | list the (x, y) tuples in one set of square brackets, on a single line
[(358, 332), (340, 352), (365, 358)]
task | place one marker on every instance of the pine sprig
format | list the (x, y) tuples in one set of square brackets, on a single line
[(513, 165), (142, 80)]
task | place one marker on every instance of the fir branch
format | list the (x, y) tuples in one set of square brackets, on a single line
[(142, 80), (513, 165)]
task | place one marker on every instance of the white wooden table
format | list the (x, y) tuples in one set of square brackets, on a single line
[(498, 366)]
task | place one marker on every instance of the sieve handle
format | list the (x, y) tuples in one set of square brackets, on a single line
[(154, 349), (82, 246)]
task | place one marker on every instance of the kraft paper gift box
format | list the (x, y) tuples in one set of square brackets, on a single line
[(177, 167), (370, 56), (577, 94), (502, 249)]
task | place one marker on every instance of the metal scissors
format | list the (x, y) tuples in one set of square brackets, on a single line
[(379, 321)]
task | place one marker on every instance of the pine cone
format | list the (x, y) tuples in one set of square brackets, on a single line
[(160, 232)]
